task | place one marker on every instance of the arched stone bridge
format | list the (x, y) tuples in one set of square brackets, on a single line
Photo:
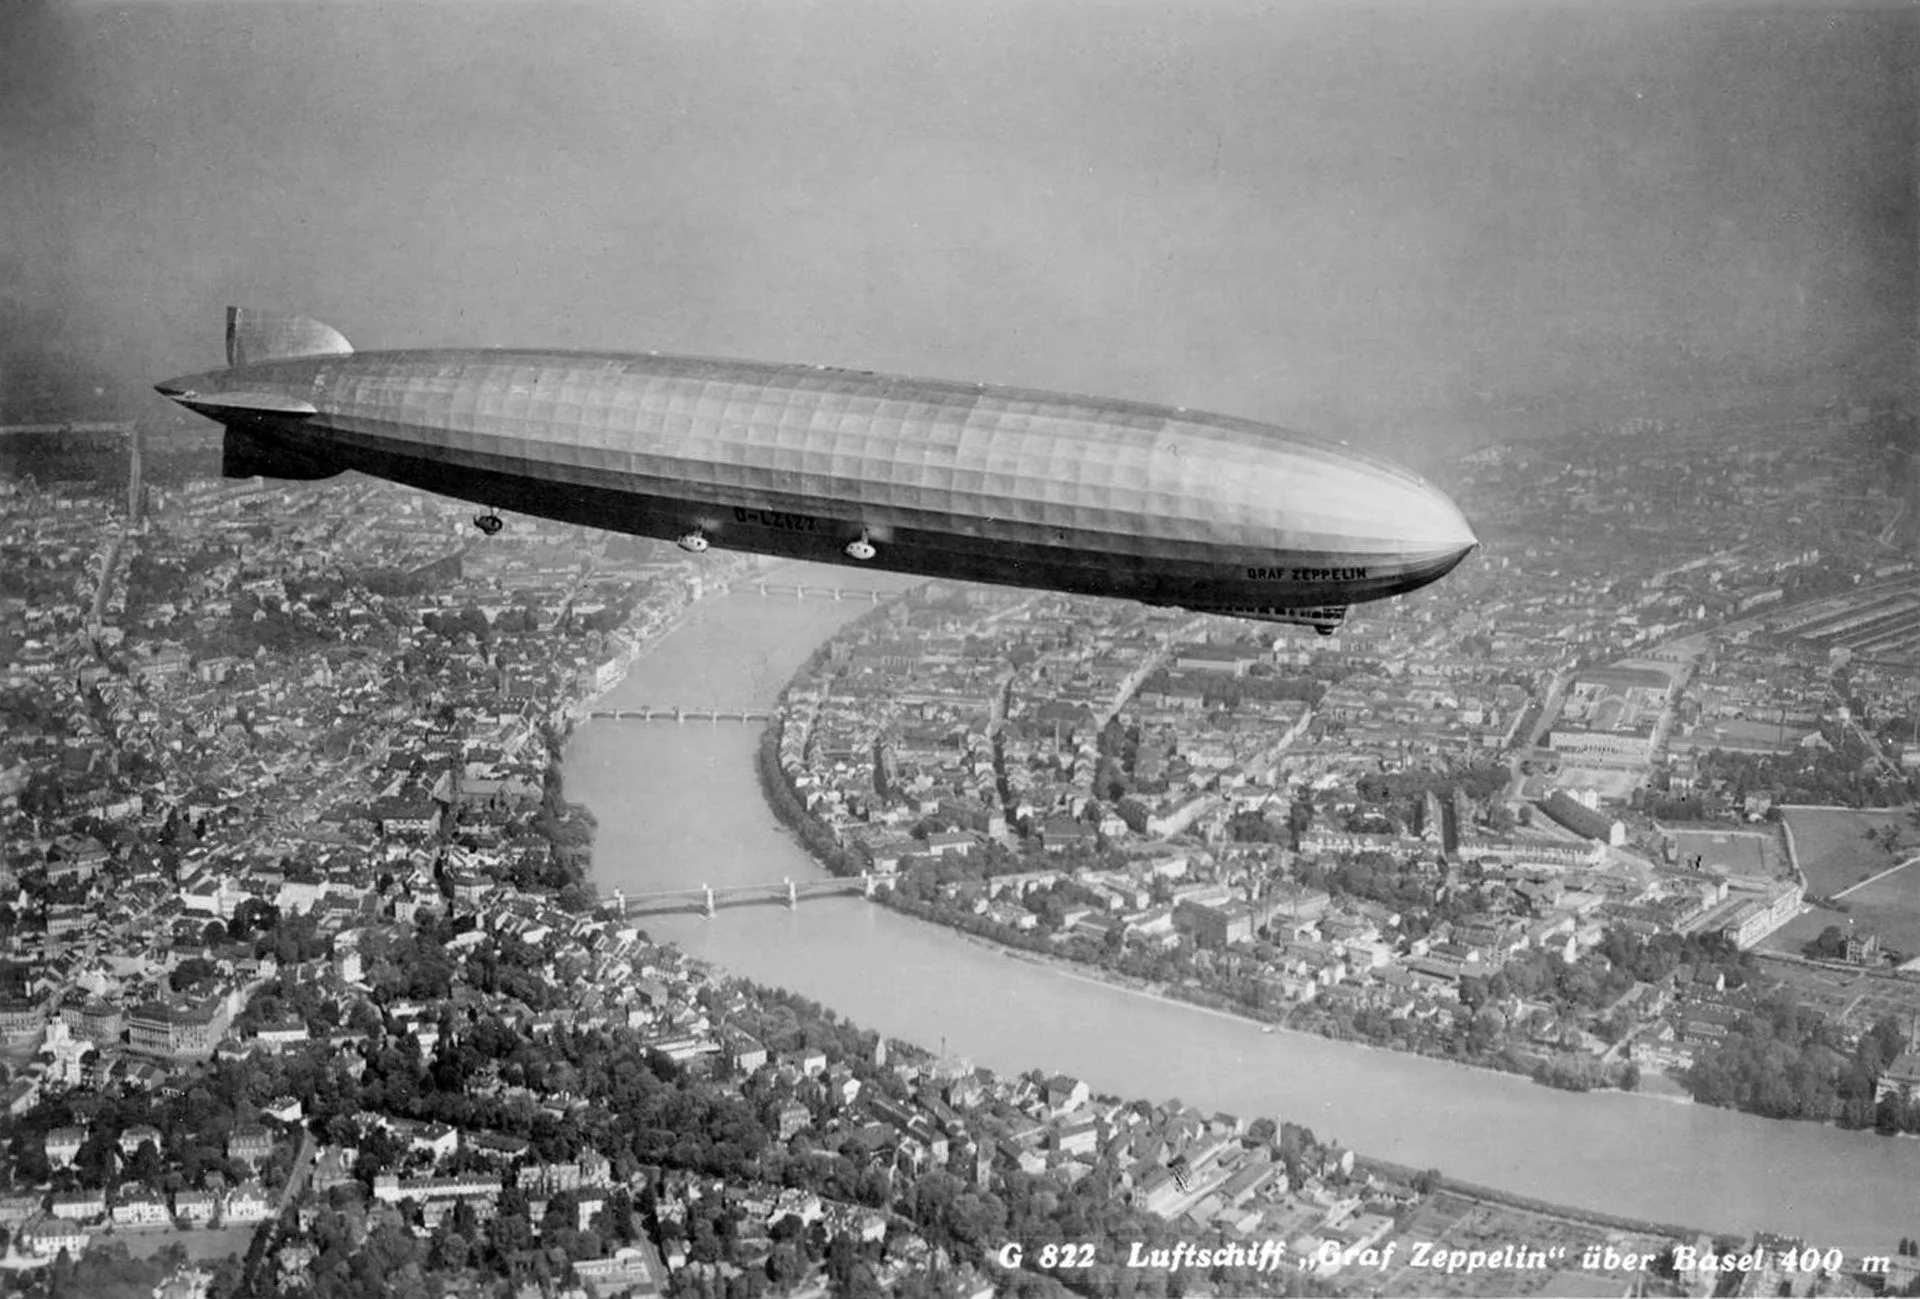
[(664, 713), (795, 591), (706, 899)]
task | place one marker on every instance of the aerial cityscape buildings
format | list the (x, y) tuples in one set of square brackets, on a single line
[(290, 875)]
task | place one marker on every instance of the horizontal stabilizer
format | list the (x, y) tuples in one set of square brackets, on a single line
[(216, 404), (254, 336)]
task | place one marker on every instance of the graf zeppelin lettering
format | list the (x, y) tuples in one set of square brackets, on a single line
[(1307, 574)]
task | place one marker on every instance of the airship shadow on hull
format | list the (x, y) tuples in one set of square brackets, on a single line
[(1076, 494)]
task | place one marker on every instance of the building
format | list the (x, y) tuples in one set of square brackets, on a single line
[(1902, 1079), (793, 1117), (16, 1209), (1863, 949), (131, 1139), (744, 1053), (1583, 820), (79, 1206), (175, 1032), (1215, 926), (93, 1019), (195, 1208), (62, 1145), (414, 817), (390, 1189), (46, 1237), (248, 1202), (435, 1140), (1754, 920), (21, 1021), (629, 1272), (135, 1206), (1215, 660), (251, 1145)]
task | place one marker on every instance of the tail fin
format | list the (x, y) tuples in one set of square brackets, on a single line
[(254, 336)]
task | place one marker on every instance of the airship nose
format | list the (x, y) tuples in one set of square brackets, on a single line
[(1413, 520), (1450, 526), (1434, 529)]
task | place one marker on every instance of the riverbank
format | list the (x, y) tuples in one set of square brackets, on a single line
[(1177, 995), (636, 646), (675, 805), (632, 651), (1492, 1195), (1383, 1168), (784, 802), (809, 833), (1259, 1038)]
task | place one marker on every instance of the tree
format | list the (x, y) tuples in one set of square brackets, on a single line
[(451, 1250), (191, 971), (1831, 945), (842, 1260), (785, 1266), (1486, 1029), (253, 915), (145, 1166)]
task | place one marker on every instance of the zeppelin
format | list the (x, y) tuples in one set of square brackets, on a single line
[(989, 484)]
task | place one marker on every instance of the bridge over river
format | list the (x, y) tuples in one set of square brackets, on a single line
[(682, 714), (799, 591), (706, 899)]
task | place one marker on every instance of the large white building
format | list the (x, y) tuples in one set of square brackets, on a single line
[(1754, 920)]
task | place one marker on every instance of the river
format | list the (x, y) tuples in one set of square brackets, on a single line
[(679, 806)]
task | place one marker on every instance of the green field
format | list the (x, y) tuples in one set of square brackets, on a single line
[(1836, 855), (1726, 852), (1834, 850), (201, 1243), (1889, 907)]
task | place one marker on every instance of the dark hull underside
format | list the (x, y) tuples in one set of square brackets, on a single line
[(974, 551)]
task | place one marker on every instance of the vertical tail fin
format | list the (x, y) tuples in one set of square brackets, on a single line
[(254, 336)]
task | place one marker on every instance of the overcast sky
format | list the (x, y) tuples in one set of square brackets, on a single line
[(1370, 221)]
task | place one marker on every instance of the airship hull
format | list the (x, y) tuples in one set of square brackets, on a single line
[(941, 479)]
